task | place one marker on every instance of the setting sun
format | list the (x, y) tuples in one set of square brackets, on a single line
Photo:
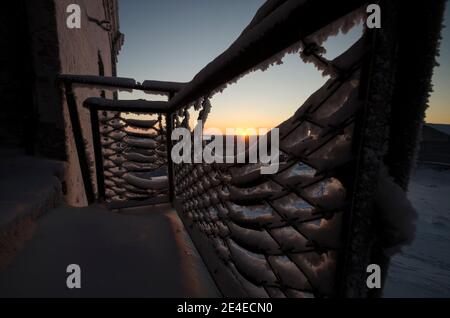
[(245, 131)]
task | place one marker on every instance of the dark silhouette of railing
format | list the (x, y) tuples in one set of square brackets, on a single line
[(311, 228), (132, 160)]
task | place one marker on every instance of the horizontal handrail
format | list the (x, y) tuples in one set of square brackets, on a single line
[(135, 105), (161, 86), (269, 33), (123, 83), (264, 38), (305, 231)]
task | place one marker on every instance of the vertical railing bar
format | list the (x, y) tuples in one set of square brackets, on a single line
[(97, 152), (79, 143), (169, 128)]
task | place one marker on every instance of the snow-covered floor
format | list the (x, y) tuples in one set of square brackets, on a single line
[(423, 269), (144, 252), (29, 186)]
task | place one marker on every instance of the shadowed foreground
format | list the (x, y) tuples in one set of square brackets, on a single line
[(143, 252)]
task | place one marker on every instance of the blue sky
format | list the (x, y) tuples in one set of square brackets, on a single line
[(173, 39)]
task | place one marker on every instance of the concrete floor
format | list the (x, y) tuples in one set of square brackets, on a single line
[(29, 186), (141, 252)]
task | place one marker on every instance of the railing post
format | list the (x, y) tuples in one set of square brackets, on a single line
[(169, 128), (79, 143), (97, 152)]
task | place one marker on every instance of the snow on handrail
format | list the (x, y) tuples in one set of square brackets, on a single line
[(263, 12), (271, 34), (160, 86), (99, 80), (136, 105), (123, 82)]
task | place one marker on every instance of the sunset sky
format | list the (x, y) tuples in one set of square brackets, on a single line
[(172, 40)]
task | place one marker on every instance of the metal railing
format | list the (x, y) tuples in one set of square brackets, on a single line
[(306, 231), (132, 157)]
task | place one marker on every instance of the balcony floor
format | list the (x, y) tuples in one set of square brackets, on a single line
[(142, 252)]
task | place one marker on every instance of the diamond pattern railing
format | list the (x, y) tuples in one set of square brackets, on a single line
[(281, 235), (310, 229), (134, 157)]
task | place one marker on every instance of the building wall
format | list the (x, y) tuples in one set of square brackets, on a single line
[(79, 51), (58, 49)]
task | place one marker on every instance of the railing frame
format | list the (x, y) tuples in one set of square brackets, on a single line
[(96, 139), (169, 144), (69, 81), (239, 58), (242, 56), (79, 142)]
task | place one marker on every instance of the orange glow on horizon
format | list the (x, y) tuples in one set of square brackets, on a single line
[(238, 131), (245, 131)]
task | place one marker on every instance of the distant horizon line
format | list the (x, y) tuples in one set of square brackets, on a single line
[(434, 123)]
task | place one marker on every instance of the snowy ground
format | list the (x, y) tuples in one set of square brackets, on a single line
[(29, 187), (159, 257), (423, 269), (144, 252)]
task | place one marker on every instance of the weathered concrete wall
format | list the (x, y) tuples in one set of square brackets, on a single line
[(33, 113), (79, 50)]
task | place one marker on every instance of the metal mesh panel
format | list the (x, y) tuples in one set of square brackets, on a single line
[(281, 235), (134, 155), (311, 228)]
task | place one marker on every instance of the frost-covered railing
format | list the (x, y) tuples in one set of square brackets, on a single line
[(336, 204), (129, 141), (281, 235)]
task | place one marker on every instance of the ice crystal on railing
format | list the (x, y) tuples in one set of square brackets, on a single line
[(280, 234), (204, 112), (342, 25)]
